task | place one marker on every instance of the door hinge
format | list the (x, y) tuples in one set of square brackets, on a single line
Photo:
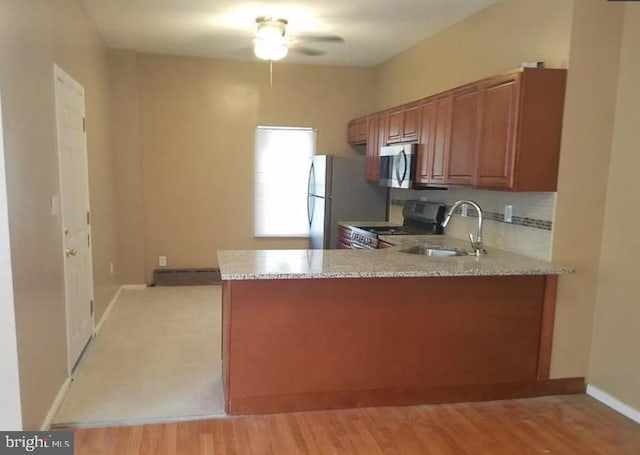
[(84, 124), (88, 218), (92, 308), (88, 241)]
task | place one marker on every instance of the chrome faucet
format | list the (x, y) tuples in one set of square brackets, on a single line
[(476, 243)]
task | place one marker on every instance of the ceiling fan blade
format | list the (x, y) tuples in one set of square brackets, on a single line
[(307, 51), (312, 38)]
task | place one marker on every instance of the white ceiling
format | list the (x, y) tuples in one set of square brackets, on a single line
[(374, 30)]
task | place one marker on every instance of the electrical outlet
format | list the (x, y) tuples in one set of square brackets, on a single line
[(508, 213), (162, 261), (111, 268), (464, 210)]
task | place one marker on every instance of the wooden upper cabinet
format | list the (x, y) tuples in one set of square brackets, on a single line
[(403, 124), (376, 138), (520, 128), (425, 140), (440, 153), (411, 115), (357, 131), (433, 140), (502, 132), (538, 129), (465, 110), (498, 121), (394, 126)]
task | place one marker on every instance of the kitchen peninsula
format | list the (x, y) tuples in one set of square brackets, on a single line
[(320, 329)]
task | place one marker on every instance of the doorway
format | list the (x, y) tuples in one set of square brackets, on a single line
[(75, 213)]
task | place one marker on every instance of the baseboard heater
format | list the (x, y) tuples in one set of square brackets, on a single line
[(186, 277)]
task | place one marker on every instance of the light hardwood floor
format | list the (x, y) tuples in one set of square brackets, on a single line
[(571, 424)]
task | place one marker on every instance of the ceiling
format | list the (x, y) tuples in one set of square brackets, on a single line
[(374, 30)]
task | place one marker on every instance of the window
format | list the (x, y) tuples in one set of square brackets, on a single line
[(282, 159)]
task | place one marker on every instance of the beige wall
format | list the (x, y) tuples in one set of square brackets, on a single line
[(492, 41), (582, 177), (34, 35), (128, 155), (197, 124), (614, 366)]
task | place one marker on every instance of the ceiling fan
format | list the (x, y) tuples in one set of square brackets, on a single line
[(272, 43)]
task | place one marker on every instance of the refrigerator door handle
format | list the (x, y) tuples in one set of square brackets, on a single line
[(309, 212), (312, 177)]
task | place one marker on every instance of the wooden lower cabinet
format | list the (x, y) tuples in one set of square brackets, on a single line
[(305, 344)]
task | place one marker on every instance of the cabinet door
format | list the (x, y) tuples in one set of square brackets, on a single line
[(464, 136), (352, 132), (357, 131), (411, 115), (361, 130), (394, 127), (439, 147), (426, 140), (376, 137), (498, 120)]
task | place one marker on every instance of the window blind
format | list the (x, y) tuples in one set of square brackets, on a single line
[(282, 160)]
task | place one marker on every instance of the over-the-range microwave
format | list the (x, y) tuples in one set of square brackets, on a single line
[(398, 165)]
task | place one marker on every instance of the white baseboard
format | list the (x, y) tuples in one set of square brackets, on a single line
[(56, 405), (134, 286), (614, 403), (108, 310)]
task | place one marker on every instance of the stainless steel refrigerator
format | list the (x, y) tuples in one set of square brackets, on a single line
[(338, 191)]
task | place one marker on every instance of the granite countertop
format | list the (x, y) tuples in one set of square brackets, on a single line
[(384, 263)]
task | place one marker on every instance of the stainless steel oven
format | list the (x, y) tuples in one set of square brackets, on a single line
[(420, 218), (398, 165)]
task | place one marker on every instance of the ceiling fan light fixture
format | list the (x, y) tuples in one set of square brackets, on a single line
[(269, 50), (271, 29), (270, 43)]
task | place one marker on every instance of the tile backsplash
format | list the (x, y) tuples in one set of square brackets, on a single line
[(529, 234)]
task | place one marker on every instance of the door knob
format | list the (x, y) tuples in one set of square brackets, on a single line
[(70, 252)]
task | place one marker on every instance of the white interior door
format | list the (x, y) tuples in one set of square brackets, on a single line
[(74, 198)]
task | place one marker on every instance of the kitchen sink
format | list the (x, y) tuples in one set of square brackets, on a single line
[(434, 251)]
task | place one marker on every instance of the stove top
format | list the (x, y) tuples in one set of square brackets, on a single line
[(420, 218)]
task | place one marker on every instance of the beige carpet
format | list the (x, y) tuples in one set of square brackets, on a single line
[(157, 358)]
